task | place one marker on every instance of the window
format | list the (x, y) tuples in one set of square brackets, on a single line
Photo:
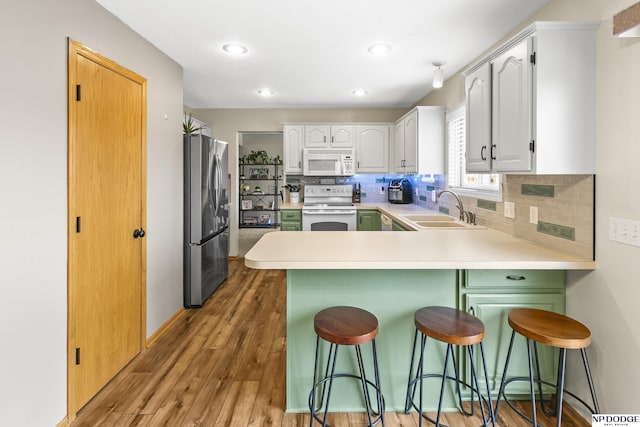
[(479, 185)]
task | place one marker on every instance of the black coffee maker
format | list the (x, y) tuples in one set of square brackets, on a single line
[(400, 191)]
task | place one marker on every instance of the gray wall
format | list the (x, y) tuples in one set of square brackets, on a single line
[(33, 189), (605, 299)]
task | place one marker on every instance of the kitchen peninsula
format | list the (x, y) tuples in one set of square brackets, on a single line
[(392, 274)]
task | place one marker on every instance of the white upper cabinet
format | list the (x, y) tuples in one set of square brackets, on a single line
[(540, 116), (478, 119), (293, 140), (372, 148), (512, 103), (419, 141), (328, 136)]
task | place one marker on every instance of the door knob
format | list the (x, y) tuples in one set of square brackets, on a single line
[(138, 233)]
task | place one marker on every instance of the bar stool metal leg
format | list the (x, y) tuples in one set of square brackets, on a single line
[(527, 322), (416, 380)]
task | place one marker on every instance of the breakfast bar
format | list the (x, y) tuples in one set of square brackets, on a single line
[(392, 275)]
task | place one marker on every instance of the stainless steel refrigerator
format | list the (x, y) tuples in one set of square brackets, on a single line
[(206, 217)]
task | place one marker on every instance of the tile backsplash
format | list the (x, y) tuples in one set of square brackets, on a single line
[(565, 205), (565, 209)]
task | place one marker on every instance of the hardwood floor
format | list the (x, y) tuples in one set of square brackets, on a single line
[(224, 365)]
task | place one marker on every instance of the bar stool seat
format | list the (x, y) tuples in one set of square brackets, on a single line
[(453, 327), (345, 326), (552, 329)]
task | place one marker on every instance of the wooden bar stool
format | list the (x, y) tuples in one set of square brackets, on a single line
[(556, 330), (453, 327), (349, 326)]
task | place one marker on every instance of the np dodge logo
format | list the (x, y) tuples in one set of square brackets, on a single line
[(615, 420)]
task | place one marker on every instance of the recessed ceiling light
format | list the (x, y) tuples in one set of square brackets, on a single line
[(266, 92), (379, 49), (235, 49), (359, 92)]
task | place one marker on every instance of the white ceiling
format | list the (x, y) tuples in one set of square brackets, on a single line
[(313, 54)]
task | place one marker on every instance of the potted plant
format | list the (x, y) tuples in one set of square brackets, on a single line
[(189, 127), (259, 157)]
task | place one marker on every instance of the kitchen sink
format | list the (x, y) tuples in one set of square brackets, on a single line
[(427, 217)]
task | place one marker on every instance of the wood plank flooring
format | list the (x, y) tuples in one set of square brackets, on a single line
[(224, 365)]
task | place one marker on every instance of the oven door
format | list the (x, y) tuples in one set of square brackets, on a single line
[(328, 219)]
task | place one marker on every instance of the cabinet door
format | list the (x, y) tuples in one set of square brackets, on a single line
[(293, 145), (411, 143), (342, 136), (395, 226), (512, 102), (369, 221), (478, 119), (290, 226), (398, 160), (372, 148), (317, 136), (493, 310)]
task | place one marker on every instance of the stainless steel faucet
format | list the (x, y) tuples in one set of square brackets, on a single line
[(460, 206)]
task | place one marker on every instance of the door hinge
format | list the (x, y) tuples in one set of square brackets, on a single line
[(532, 58), (77, 355), (78, 224), (532, 146), (78, 93)]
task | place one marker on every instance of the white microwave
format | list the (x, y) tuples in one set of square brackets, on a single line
[(328, 162)]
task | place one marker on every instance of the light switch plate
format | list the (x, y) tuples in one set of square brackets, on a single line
[(533, 214), (509, 209), (624, 231)]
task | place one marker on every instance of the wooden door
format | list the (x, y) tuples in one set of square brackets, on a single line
[(107, 122)]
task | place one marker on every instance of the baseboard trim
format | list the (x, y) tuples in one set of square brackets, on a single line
[(153, 338), (233, 257)]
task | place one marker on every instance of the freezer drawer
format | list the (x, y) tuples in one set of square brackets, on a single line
[(206, 267)]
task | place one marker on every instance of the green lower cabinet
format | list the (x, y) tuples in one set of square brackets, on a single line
[(369, 220), (490, 295), (290, 226), (290, 220), (396, 226)]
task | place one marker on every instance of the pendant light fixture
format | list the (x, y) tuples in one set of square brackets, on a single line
[(438, 75)]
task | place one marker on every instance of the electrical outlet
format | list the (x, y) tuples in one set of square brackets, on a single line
[(624, 231), (434, 195), (382, 190), (533, 214), (509, 209)]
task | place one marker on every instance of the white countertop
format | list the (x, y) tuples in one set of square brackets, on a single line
[(478, 248), (429, 249)]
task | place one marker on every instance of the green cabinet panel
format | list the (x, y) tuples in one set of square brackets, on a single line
[(514, 279), (490, 295), (291, 215), (291, 220), (396, 226), (493, 310), (369, 220), (392, 296), (290, 226)]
